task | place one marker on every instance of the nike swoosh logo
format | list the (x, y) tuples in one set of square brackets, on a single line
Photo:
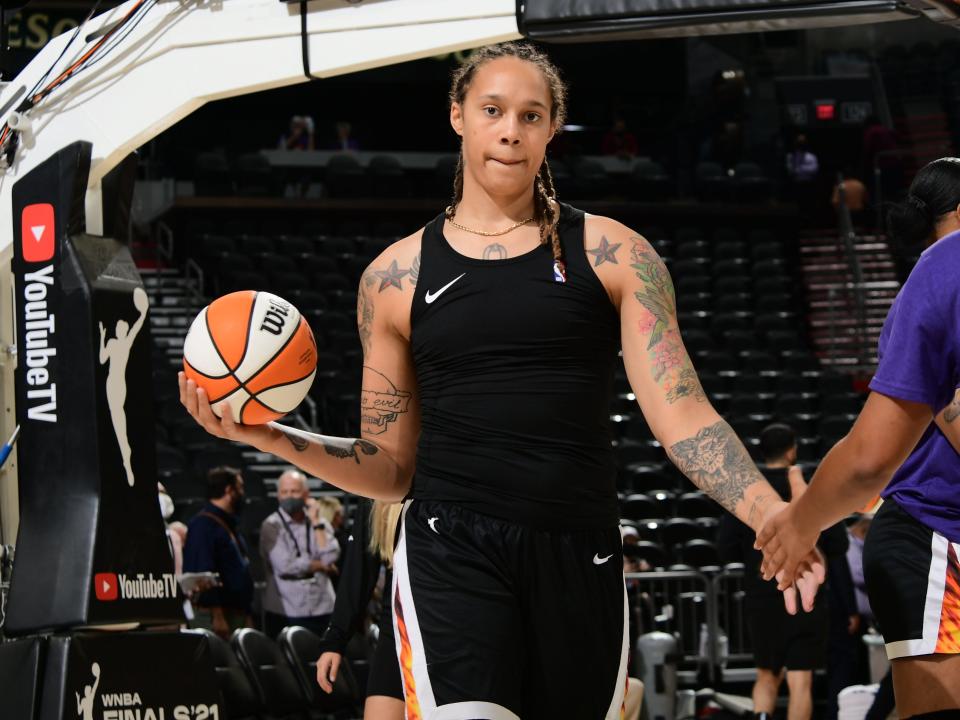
[(430, 297), (597, 560)]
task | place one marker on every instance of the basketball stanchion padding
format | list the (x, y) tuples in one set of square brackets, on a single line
[(254, 351)]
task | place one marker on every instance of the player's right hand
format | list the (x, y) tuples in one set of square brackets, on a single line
[(194, 399), (327, 667)]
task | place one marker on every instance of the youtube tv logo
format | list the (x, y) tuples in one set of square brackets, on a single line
[(105, 586), (37, 232)]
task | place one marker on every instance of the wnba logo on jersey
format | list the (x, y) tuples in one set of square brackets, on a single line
[(559, 271)]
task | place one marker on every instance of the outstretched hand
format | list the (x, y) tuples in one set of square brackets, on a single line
[(789, 549), (195, 400)]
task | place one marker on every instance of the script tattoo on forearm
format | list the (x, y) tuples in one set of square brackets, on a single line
[(381, 403), (717, 462), (299, 443), (365, 311), (952, 411), (344, 448), (672, 368)]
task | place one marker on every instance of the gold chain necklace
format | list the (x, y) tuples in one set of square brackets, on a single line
[(484, 233)]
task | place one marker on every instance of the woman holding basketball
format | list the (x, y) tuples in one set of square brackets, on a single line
[(490, 339), (901, 445)]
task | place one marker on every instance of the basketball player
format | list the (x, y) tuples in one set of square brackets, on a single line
[(490, 339), (910, 555)]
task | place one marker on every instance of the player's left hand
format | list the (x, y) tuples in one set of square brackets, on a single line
[(810, 575)]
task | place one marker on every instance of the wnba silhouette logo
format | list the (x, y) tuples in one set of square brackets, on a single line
[(114, 353), (85, 703)]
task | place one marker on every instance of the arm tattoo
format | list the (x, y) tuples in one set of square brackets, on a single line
[(952, 411), (605, 252), (717, 463), (343, 448), (381, 403), (391, 277), (415, 270), (496, 251), (365, 311), (672, 368), (299, 443)]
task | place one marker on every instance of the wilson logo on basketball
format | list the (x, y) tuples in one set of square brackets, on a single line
[(275, 317)]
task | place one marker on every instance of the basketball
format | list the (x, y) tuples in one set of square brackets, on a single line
[(254, 351)]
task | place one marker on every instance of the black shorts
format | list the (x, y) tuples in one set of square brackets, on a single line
[(384, 677), (498, 621), (913, 581), (781, 640)]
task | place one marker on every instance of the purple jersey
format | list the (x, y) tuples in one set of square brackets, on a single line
[(919, 355)]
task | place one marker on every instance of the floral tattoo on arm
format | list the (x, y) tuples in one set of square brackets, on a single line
[(672, 369)]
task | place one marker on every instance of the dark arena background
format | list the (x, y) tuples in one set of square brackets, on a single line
[(755, 145)]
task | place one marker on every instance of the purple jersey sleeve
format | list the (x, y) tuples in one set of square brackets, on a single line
[(915, 340)]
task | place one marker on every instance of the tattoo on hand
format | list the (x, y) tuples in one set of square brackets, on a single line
[(672, 368), (365, 311), (496, 251), (348, 448), (299, 443), (756, 509), (717, 463), (952, 411), (391, 277), (605, 252), (381, 403)]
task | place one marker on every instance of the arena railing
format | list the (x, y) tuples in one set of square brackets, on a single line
[(683, 601)]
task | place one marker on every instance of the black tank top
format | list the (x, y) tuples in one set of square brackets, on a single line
[(515, 372)]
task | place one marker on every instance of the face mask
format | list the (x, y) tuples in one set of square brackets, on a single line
[(166, 505), (292, 505), (238, 502)]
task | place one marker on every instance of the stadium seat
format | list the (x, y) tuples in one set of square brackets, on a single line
[(272, 677), (240, 700), (699, 553), (677, 530), (639, 506), (302, 648), (697, 504)]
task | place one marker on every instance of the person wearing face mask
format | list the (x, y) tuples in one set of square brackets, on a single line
[(214, 544), (299, 552)]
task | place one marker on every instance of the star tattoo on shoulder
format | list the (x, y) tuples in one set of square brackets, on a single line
[(391, 277), (605, 252)]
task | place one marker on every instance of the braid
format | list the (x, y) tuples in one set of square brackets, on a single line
[(457, 188), (546, 210)]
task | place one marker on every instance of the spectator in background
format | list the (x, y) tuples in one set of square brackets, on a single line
[(619, 140), (790, 645), (214, 544), (345, 140), (802, 165), (300, 135), (855, 197), (299, 554), (331, 510)]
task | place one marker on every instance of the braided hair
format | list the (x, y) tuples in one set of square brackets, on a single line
[(546, 210)]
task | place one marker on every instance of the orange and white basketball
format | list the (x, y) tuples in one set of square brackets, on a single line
[(254, 351)]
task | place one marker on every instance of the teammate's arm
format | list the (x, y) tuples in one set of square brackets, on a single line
[(378, 464)]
